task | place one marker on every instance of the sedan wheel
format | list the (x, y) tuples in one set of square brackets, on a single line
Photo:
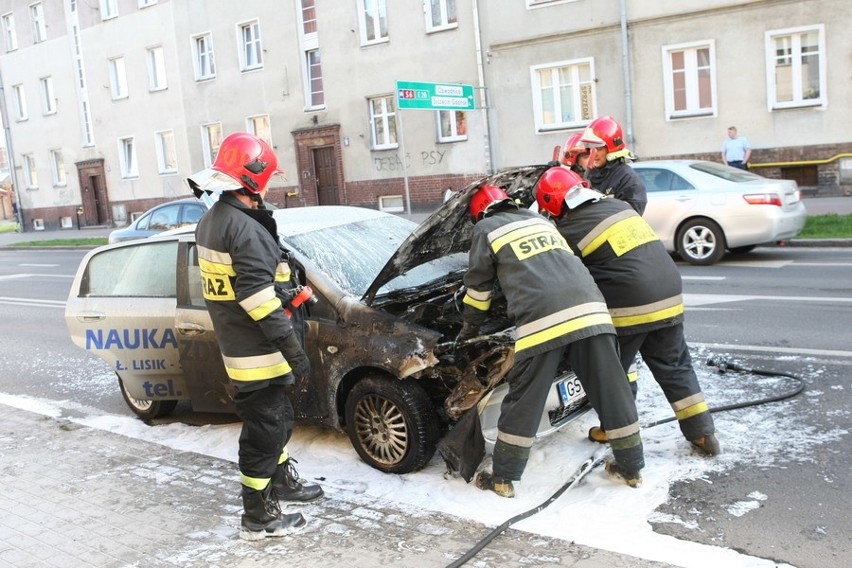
[(147, 409), (391, 424), (701, 242)]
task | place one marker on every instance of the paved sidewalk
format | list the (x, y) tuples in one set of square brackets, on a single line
[(75, 497)]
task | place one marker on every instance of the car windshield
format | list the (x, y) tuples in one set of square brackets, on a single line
[(725, 172), (352, 254)]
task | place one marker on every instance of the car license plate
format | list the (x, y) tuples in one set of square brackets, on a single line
[(570, 390)]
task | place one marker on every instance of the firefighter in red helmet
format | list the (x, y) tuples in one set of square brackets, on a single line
[(575, 155), (241, 265), (643, 292), (607, 167), (531, 261)]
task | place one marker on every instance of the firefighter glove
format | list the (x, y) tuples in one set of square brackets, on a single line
[(295, 355), (468, 331)]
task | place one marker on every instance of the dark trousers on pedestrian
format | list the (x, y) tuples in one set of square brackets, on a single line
[(666, 353), (267, 416), (739, 164)]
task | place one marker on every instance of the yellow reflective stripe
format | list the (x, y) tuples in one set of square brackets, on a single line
[(632, 376), (650, 317), (215, 262), (623, 432), (257, 367), (282, 272), (560, 330), (600, 228), (285, 455), (483, 305), (561, 316), (520, 441), (517, 230), (217, 287), (256, 483), (691, 411), (623, 236), (261, 304)]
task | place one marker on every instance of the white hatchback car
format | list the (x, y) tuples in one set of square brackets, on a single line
[(700, 209)]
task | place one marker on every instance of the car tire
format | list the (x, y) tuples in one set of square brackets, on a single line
[(391, 424), (743, 250), (147, 409), (701, 242)]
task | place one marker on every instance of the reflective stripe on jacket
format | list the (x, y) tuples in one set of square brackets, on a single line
[(638, 278), (550, 296)]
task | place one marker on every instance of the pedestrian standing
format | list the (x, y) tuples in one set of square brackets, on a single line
[(557, 311), (643, 291), (241, 263), (609, 171), (736, 151)]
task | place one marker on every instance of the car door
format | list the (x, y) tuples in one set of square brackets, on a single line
[(122, 309), (670, 200)]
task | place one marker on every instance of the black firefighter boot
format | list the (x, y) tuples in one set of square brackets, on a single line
[(290, 488), (263, 516)]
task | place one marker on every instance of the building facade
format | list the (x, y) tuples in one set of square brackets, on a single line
[(110, 104)]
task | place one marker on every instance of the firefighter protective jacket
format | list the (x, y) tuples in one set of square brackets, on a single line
[(621, 181), (240, 263), (638, 278), (551, 297)]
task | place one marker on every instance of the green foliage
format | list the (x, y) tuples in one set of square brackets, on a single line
[(81, 242), (831, 226)]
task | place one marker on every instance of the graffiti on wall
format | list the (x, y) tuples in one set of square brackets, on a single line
[(394, 163)]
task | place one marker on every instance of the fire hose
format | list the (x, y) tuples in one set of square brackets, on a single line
[(600, 455)]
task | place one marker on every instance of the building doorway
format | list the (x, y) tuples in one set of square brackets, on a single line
[(325, 172), (93, 194), (319, 157)]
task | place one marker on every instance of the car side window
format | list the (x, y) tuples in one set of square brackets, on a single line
[(143, 271), (656, 179), (164, 218), (196, 296), (192, 214), (142, 224)]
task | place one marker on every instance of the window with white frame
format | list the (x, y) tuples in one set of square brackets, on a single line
[(537, 3), (57, 166), (127, 157), (166, 154), (37, 18), (20, 100), (373, 21), (88, 133), (383, 123), (563, 94), (251, 49), (156, 69), (259, 126), (205, 64), (690, 79), (118, 78), (30, 174), (316, 92), (452, 125), (309, 17), (440, 15), (211, 139), (796, 67), (9, 33), (146, 3), (109, 9), (48, 97)]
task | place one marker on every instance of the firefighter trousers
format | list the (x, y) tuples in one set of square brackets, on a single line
[(666, 353), (267, 416)]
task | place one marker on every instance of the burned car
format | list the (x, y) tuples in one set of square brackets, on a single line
[(380, 335)]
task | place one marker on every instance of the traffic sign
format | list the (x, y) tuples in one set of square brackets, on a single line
[(434, 96)]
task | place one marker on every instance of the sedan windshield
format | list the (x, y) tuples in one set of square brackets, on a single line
[(352, 254), (725, 172)]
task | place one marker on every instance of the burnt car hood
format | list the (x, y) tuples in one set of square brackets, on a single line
[(448, 229)]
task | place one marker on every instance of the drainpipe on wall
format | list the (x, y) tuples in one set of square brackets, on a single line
[(483, 94), (625, 65), (13, 179)]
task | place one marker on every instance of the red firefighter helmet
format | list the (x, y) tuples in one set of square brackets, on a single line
[(605, 132), (559, 187), (573, 147), (485, 198), (243, 161)]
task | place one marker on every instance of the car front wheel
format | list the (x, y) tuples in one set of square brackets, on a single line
[(701, 242), (146, 409), (391, 424)]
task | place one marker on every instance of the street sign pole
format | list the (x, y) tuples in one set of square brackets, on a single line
[(404, 164)]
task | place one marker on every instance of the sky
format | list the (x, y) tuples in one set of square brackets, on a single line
[(588, 513)]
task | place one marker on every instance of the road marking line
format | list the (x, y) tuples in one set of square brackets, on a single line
[(32, 302), (703, 277), (40, 265), (703, 299), (765, 349)]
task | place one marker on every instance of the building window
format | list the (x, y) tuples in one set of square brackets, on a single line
[(57, 165), (127, 157), (205, 64), (156, 69), (109, 9), (452, 125), (72, 6), (309, 17), (37, 17), (373, 21), (166, 154), (316, 95), (88, 135), (211, 139), (796, 67), (118, 78), (563, 94), (259, 126), (383, 123), (690, 79), (48, 97), (440, 15), (146, 3), (251, 51), (9, 32), (20, 100), (30, 174)]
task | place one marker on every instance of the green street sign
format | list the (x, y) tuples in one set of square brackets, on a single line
[(434, 96)]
